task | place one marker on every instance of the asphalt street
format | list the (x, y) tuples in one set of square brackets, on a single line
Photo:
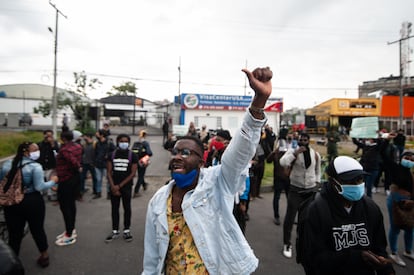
[(91, 255)]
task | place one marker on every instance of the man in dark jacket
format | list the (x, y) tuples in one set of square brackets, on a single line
[(280, 178), (48, 148), (104, 148), (371, 160), (343, 230)]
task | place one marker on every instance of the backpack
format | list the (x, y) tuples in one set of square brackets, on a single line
[(139, 149), (11, 189)]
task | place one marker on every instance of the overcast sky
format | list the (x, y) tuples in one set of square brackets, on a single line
[(317, 49)]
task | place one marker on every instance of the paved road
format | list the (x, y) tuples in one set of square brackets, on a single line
[(91, 255)]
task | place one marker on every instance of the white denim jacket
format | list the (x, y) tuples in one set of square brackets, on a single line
[(208, 212)]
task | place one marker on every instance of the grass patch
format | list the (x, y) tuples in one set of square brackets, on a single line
[(9, 141)]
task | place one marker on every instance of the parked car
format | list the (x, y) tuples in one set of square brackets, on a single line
[(25, 119)]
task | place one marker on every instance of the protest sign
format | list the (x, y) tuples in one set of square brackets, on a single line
[(364, 127)]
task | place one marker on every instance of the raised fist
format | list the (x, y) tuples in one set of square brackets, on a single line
[(263, 74)]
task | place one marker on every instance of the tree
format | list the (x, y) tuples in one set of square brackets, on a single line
[(125, 89), (76, 99)]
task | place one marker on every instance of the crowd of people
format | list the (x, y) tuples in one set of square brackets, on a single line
[(59, 169), (196, 222)]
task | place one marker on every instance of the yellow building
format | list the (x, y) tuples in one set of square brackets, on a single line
[(339, 112)]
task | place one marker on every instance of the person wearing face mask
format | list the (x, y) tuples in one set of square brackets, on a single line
[(344, 230), (49, 148), (304, 178), (190, 228), (401, 191), (32, 209), (121, 168)]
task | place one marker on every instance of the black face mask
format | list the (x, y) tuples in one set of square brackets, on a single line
[(303, 144)]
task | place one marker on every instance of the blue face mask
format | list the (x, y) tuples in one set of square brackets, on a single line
[(123, 145), (407, 163), (353, 192), (184, 180)]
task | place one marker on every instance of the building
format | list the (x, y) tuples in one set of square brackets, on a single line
[(18, 99), (222, 111)]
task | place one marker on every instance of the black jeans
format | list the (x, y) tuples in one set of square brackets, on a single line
[(31, 210), (140, 180), (67, 194), (278, 186), (126, 193), (296, 197)]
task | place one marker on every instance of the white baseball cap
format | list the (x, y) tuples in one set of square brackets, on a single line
[(345, 168)]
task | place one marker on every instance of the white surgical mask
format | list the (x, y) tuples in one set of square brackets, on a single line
[(34, 155), (123, 145)]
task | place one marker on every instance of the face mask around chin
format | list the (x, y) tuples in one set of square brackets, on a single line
[(184, 180)]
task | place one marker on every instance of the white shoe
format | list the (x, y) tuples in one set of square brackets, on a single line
[(65, 241), (409, 255), (374, 190), (388, 192), (397, 259), (287, 251), (60, 236)]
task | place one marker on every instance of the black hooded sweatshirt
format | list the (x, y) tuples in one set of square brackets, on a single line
[(335, 238)]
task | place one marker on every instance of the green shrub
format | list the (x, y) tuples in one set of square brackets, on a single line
[(9, 141)]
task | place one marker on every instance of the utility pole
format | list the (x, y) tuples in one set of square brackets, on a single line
[(54, 99), (245, 80), (179, 90), (404, 64)]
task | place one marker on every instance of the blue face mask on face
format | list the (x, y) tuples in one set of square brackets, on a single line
[(407, 163), (353, 192), (184, 180)]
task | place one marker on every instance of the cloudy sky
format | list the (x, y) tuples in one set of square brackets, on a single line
[(317, 49)]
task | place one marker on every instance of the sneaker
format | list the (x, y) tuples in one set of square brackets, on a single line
[(114, 235), (74, 235), (127, 236), (43, 262), (387, 192), (276, 221), (65, 241), (374, 190), (96, 196), (409, 255), (287, 251), (397, 259)]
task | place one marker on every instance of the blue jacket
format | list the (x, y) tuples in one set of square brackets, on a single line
[(33, 177), (208, 212)]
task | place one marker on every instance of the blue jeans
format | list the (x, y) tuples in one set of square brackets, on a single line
[(100, 174), (394, 230), (370, 180), (85, 168)]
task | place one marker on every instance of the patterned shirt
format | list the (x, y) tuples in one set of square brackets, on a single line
[(68, 160), (182, 255)]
